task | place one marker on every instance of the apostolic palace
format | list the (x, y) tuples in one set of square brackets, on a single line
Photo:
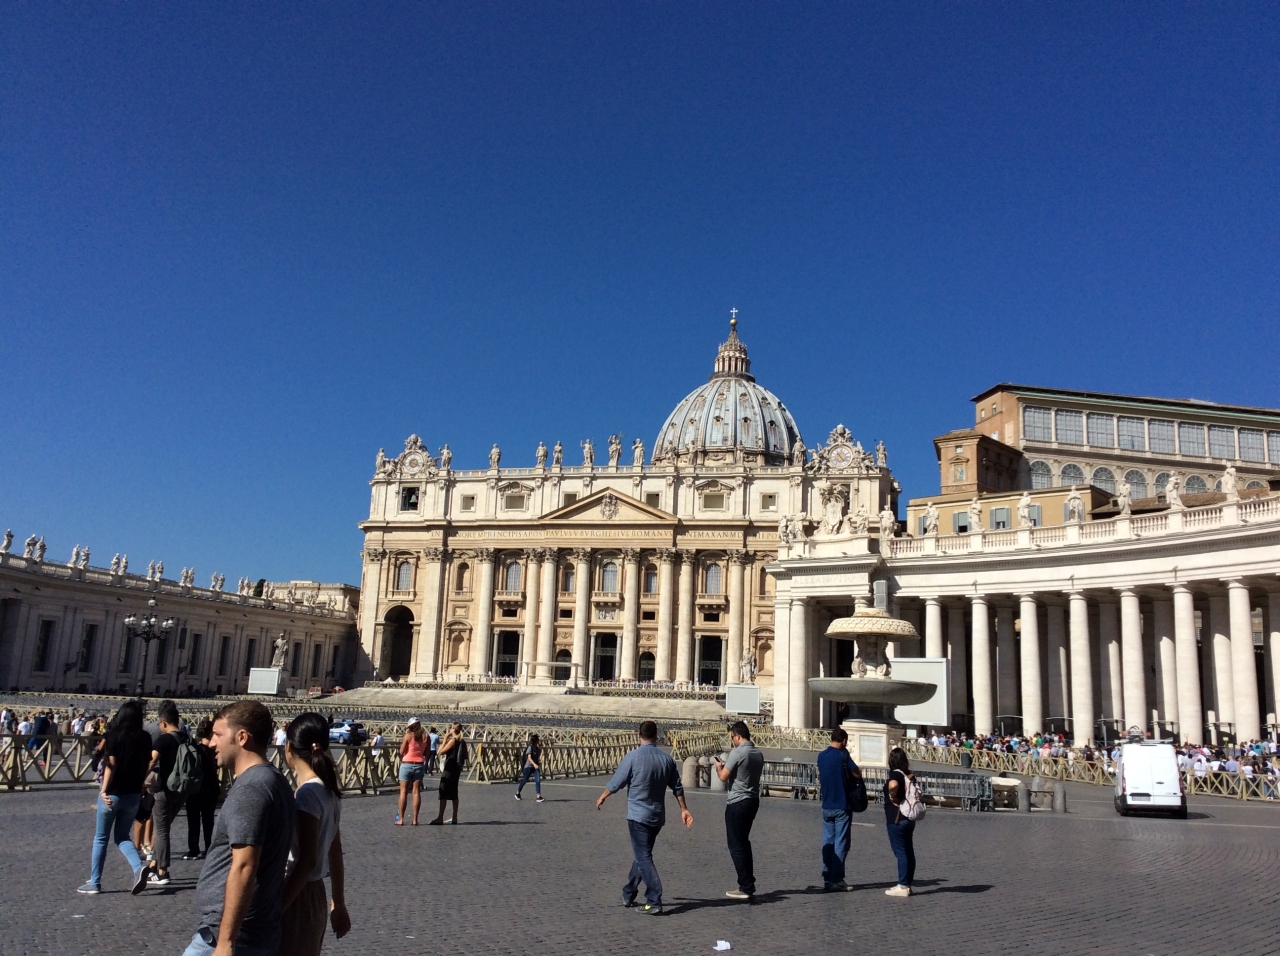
[(1091, 562)]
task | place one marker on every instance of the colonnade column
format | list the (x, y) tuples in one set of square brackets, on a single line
[(547, 625), (1272, 654), (933, 627), (1244, 677), (480, 662), (983, 705), (1112, 676), (1059, 663), (1135, 678), (1006, 662), (666, 603), (429, 636), (582, 612), (798, 672), (1190, 717), (1166, 660), (1081, 670), (1032, 704), (684, 626), (733, 652), (532, 595), (630, 612), (1223, 694), (959, 663), (782, 661)]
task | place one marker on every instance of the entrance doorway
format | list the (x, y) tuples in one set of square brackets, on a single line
[(397, 632), (563, 659), (508, 654), (709, 663), (646, 669), (604, 666)]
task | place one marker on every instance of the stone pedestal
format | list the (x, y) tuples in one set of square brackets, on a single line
[(870, 741)]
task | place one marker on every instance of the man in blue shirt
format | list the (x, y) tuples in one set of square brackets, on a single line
[(834, 767), (646, 772)]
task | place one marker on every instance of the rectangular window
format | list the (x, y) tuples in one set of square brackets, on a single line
[(1133, 433), (1252, 445), (1222, 442), (1069, 426), (162, 656), (713, 501), (1102, 430), (1037, 516), (126, 654), (648, 615), (224, 655), (249, 650), (570, 497), (514, 502), (1273, 447), (295, 665), (999, 519), (566, 614), (920, 526), (1163, 437), (468, 503), (193, 661), (87, 643), (408, 499), (711, 617), (1037, 424), (768, 502), (44, 640), (653, 499), (316, 651), (1191, 439), (182, 638), (960, 522)]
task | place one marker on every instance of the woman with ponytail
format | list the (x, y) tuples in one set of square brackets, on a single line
[(317, 841)]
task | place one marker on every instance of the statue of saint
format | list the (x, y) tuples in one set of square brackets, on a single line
[(615, 450), (637, 452), (8, 541), (798, 452), (281, 648), (1024, 510), (84, 558), (446, 458), (495, 456), (557, 455), (588, 453), (29, 547), (784, 530), (1124, 496), (124, 563), (540, 456), (115, 564), (159, 570), (861, 520), (380, 463), (151, 570), (1172, 493), (75, 557), (882, 456), (931, 518), (1229, 483), (888, 522), (40, 549), (975, 515)]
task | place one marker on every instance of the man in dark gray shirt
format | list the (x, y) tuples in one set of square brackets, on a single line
[(240, 893), (741, 770)]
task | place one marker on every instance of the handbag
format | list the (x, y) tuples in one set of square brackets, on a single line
[(855, 789)]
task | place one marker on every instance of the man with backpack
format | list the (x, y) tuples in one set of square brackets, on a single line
[(843, 794), (178, 774)]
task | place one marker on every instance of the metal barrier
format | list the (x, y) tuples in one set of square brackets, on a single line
[(497, 762), (972, 791)]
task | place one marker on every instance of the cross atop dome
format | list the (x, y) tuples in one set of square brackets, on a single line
[(731, 359)]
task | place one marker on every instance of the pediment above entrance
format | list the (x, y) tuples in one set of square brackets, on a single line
[(609, 507)]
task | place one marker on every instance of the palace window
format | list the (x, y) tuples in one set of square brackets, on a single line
[(1000, 518), (250, 648), (1273, 447), (295, 663), (1102, 430), (1041, 475), (1069, 426), (1137, 483), (408, 499), (514, 502), (1161, 483), (1196, 484), (1163, 436), (570, 497), (650, 579), (1035, 515), (1252, 445), (1037, 424), (224, 655), (1133, 433), (653, 499), (511, 577), (566, 613), (162, 656), (44, 639), (648, 615), (404, 576), (646, 668), (462, 577), (714, 579), (90, 638), (1071, 475), (193, 661), (1191, 439), (1255, 484), (960, 522), (316, 651), (768, 502), (567, 579), (713, 501), (1105, 479), (467, 503), (609, 577), (1222, 441)]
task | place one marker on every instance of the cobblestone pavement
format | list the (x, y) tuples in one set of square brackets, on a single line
[(545, 879)]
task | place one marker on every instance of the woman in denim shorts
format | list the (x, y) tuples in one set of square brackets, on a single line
[(413, 760)]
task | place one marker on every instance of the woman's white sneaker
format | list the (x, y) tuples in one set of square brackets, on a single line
[(898, 891)]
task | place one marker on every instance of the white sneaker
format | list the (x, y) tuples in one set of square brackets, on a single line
[(898, 891)]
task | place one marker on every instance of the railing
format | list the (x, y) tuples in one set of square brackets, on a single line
[(1209, 517), (1149, 524), (903, 546), (497, 762), (1097, 530), (954, 542), (1260, 509), (800, 781), (1056, 534), (1000, 539)]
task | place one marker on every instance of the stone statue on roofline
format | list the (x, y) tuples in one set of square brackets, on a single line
[(540, 456), (557, 455), (975, 514), (1075, 505), (495, 456)]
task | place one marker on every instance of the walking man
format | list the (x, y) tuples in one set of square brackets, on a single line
[(836, 773), (741, 770), (241, 890), (168, 803), (646, 772)]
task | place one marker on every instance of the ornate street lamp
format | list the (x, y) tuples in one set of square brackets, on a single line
[(148, 628)]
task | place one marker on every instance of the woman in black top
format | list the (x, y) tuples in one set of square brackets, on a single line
[(128, 755), (900, 828), (532, 767), (202, 803), (453, 750)]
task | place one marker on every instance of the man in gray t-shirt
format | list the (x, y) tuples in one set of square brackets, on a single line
[(741, 769)]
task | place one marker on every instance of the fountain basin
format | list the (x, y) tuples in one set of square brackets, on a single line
[(871, 690)]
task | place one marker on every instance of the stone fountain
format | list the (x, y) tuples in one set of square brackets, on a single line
[(871, 691)]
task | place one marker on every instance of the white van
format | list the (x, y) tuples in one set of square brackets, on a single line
[(1147, 778)]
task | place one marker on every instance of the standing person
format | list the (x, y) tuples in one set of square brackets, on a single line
[(433, 744), (124, 768), (317, 844), (741, 770), (240, 892), (836, 776), (168, 803), (532, 767), (454, 751), (899, 791), (413, 759), (202, 804), (646, 772)]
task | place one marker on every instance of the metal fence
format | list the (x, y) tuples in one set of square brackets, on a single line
[(968, 791)]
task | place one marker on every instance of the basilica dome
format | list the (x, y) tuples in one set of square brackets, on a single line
[(728, 420)]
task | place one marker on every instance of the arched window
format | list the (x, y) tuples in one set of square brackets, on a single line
[(1071, 475), (1137, 483), (511, 579), (567, 580), (650, 579), (1161, 482), (1196, 484), (1041, 474), (1105, 479), (404, 576), (715, 579), (462, 577), (561, 672), (645, 672), (609, 576), (1255, 484)]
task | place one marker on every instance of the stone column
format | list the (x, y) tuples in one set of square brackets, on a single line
[(782, 660), (959, 665), (798, 676), (730, 673), (1112, 682), (1272, 654), (983, 699), (529, 639), (481, 660), (1135, 675), (684, 627), (630, 613), (933, 627), (1244, 678), (1006, 662), (582, 612), (1032, 704), (1166, 659), (429, 635), (371, 630), (1190, 717), (547, 625), (1220, 624), (666, 604), (1082, 725), (1059, 663)]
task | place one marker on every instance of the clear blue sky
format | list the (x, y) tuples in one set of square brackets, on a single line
[(244, 245)]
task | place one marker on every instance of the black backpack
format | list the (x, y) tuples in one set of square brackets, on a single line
[(855, 789)]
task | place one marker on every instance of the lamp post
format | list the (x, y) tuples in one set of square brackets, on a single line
[(147, 627)]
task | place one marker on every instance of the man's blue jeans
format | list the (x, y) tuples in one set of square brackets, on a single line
[(643, 836), (198, 947), (835, 844), (531, 771), (115, 823)]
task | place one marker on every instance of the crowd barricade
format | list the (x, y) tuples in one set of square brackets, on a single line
[(54, 758), (503, 762), (967, 791)]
